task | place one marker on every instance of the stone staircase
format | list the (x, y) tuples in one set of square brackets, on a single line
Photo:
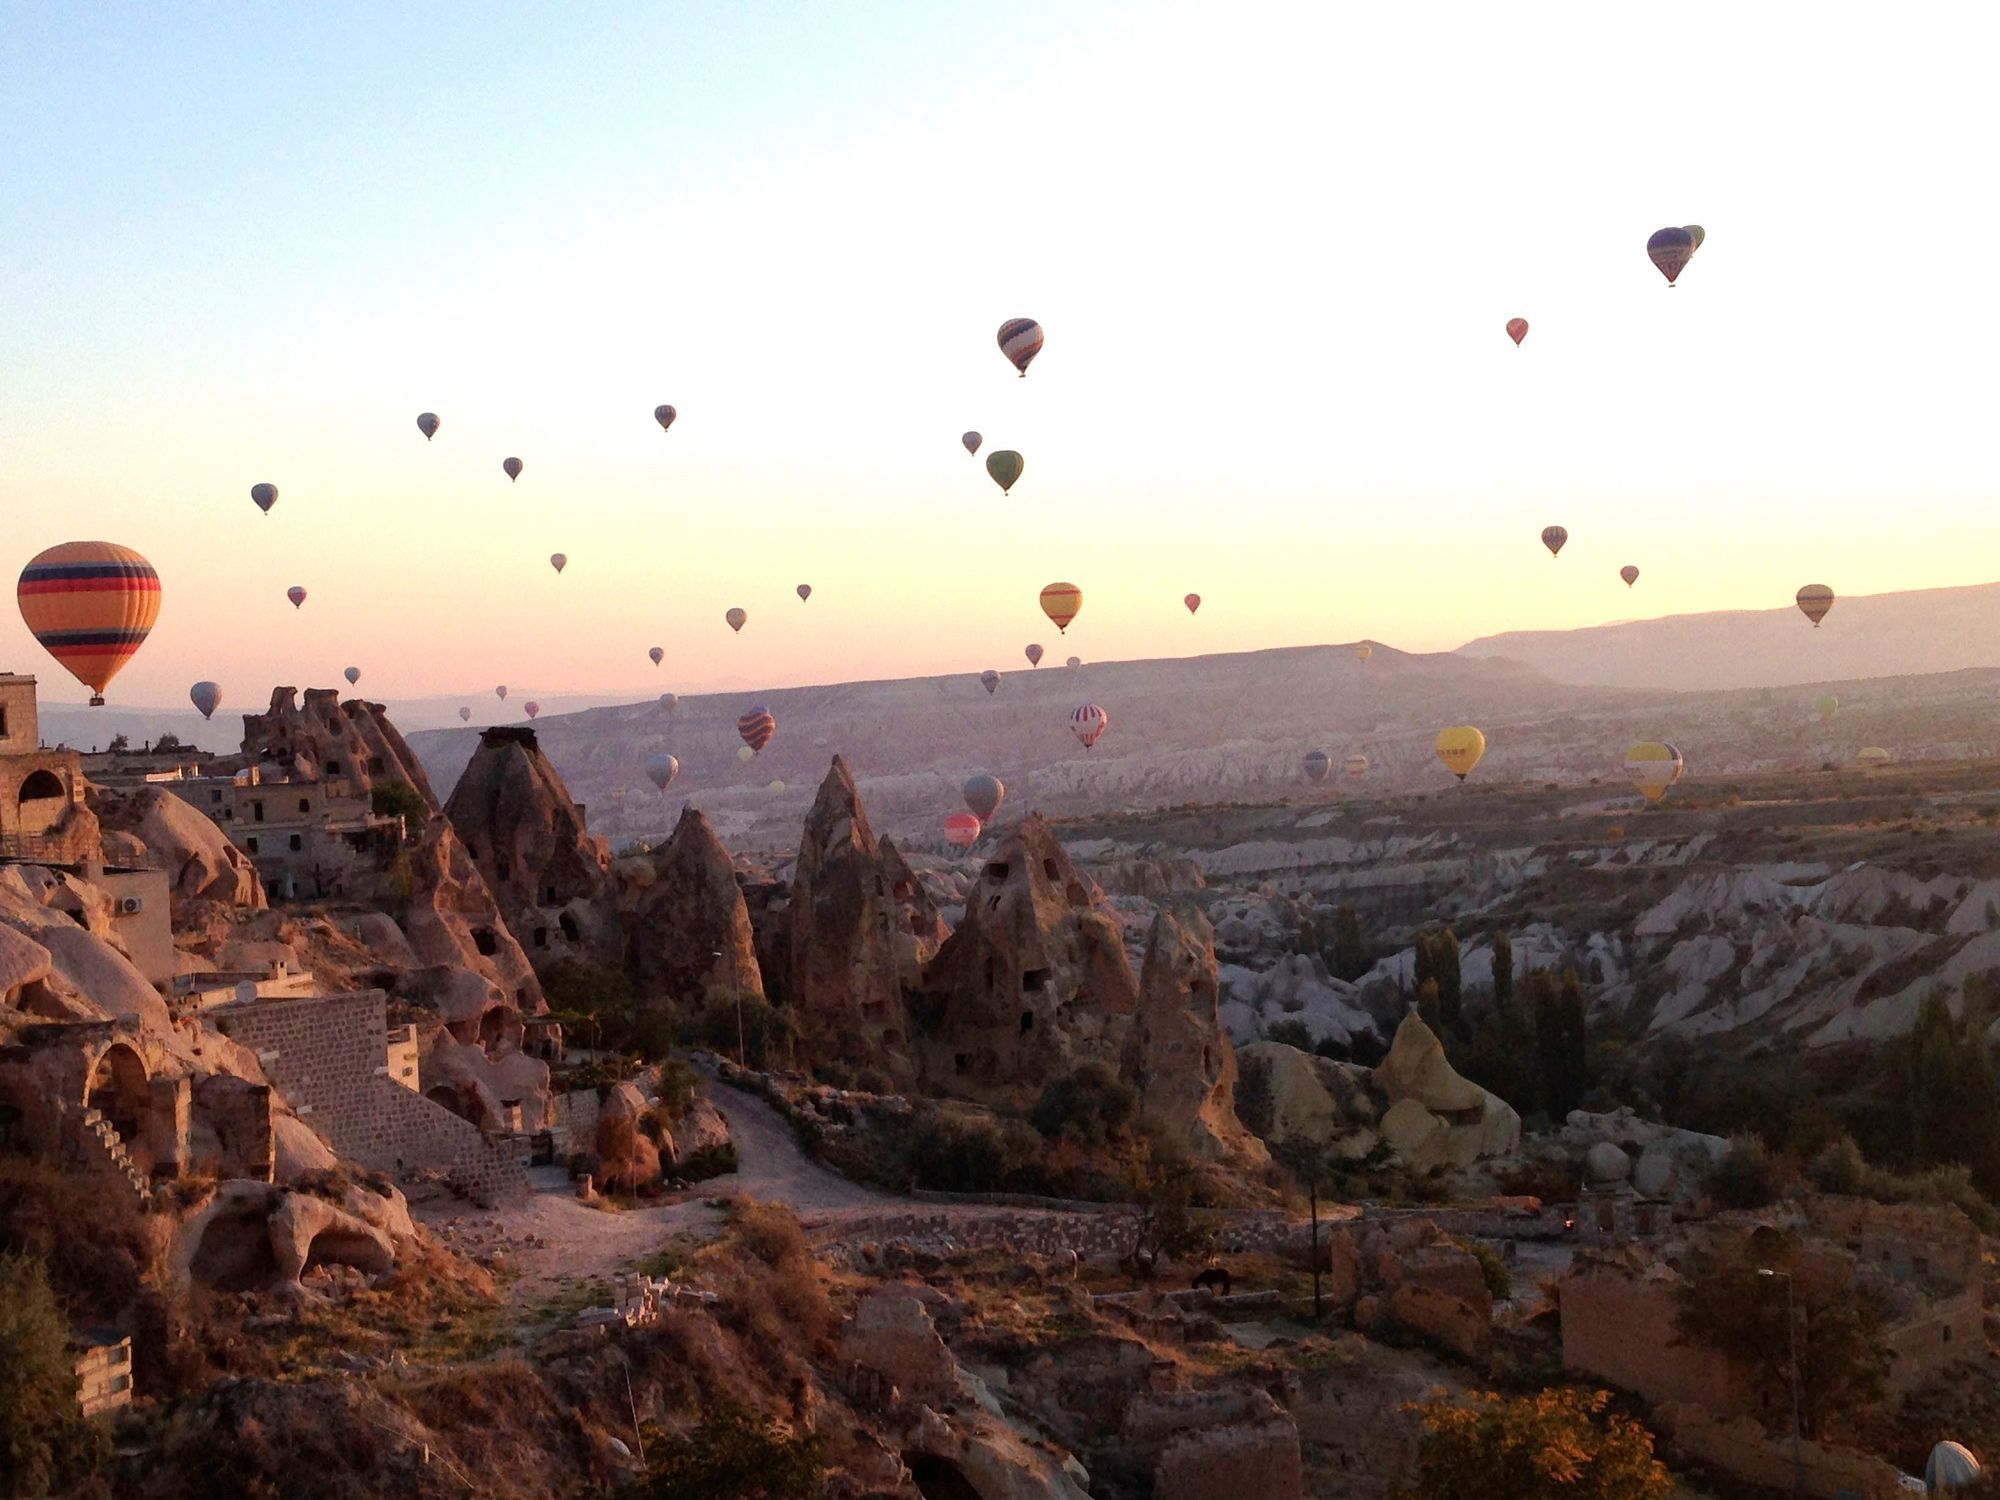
[(105, 1154)]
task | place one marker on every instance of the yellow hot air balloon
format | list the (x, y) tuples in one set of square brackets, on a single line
[(1826, 705), (1460, 748), (1654, 766), (91, 605), (1363, 651), (1873, 755), (1060, 602)]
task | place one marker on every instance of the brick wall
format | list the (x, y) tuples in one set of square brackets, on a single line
[(573, 1120), (328, 1055)]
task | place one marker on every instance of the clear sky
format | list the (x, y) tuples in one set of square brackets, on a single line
[(1273, 246)]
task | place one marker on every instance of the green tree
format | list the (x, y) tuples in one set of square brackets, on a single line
[(45, 1444), (1554, 1445), (1423, 967), (1351, 957), (1727, 1305), (169, 741), (398, 799), (1091, 1105), (1946, 1092), (1171, 1226), (1429, 1006), (1451, 994), (733, 1455), (1503, 972)]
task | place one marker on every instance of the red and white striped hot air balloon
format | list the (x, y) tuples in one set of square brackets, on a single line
[(961, 830), (1088, 724), (757, 726), (1021, 341)]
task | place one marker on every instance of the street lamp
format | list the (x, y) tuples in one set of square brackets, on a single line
[(1792, 1333)]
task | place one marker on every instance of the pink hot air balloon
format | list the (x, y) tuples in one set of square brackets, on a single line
[(1088, 724), (1034, 655), (1193, 602), (296, 594), (1517, 329), (501, 692), (961, 830), (534, 710)]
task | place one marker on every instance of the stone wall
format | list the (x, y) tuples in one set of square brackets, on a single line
[(1107, 1234), (329, 1056), (1945, 1334), (1739, 1448), (573, 1120), (103, 1373), (1618, 1324)]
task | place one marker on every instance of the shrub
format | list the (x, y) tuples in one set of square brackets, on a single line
[(733, 1455), (1499, 1280), (1749, 1176), (709, 1161), (956, 1152), (1291, 1033), (45, 1445), (1553, 1445), (1092, 1105), (398, 799)]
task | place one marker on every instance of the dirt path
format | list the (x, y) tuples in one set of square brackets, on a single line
[(554, 1245)]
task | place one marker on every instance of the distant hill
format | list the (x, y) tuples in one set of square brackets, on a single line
[(1874, 635)]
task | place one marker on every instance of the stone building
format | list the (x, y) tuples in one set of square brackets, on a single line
[(102, 1359), (42, 814), (308, 837)]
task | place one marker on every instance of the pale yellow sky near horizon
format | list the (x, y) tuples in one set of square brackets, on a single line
[(1273, 260)]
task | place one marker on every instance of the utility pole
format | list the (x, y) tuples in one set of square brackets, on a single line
[(1792, 1334)]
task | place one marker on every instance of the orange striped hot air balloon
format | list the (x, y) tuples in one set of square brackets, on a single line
[(1060, 602), (91, 605)]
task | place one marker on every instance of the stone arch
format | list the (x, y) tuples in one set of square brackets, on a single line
[(234, 1253), (119, 1089), (42, 800)]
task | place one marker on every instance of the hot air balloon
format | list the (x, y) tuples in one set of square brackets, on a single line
[(1088, 724), (1517, 329), (1021, 341), (1873, 755), (1697, 234), (1034, 654), (1553, 538), (1005, 465), (1630, 574), (512, 466), (1363, 651), (669, 701), (664, 415), (736, 618), (990, 680), (1460, 748), (1193, 602), (91, 605), (972, 440), (266, 496), (1317, 765), (961, 830), (501, 692), (804, 591), (1951, 1466), (464, 715), (207, 697), (757, 726), (1356, 767), (745, 754), (1826, 705), (1653, 767), (353, 675), (1815, 599), (1074, 661), (534, 709), (427, 424), (984, 794), (296, 594), (1060, 602), (1669, 249), (558, 560), (661, 769), (657, 654), (775, 787)]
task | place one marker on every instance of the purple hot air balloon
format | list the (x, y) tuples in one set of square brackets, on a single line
[(1669, 249)]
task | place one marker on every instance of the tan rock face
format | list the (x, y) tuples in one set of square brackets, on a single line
[(549, 876), (333, 740), (452, 921), (891, 1334), (688, 935), (1416, 1068), (862, 928), (1177, 1055), (628, 1161), (1034, 981), (178, 837)]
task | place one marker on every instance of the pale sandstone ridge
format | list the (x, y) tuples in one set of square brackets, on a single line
[(861, 929), (688, 932), (1034, 981), (454, 925), (1177, 1054), (331, 740), (549, 876), (178, 837)]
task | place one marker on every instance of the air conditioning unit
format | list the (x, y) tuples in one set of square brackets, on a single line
[(131, 906)]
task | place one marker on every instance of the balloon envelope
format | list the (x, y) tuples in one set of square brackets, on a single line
[(961, 830), (1873, 755), (266, 496), (1669, 250), (1826, 705), (427, 424), (512, 466), (534, 709), (972, 440), (657, 653), (661, 769), (1020, 341), (984, 794), (1363, 651), (1193, 602), (804, 591), (1074, 661), (757, 726), (1060, 602), (1697, 234), (1553, 538), (1517, 329), (1005, 465), (1356, 766), (464, 715), (1630, 574), (207, 697), (664, 415), (296, 594), (1653, 766), (501, 692), (353, 675), (558, 560), (1088, 724), (1460, 748), (990, 680), (1317, 765), (736, 618), (1815, 599), (745, 754), (669, 701), (1034, 654), (91, 605)]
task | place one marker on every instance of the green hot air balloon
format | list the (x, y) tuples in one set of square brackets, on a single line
[(1005, 466)]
